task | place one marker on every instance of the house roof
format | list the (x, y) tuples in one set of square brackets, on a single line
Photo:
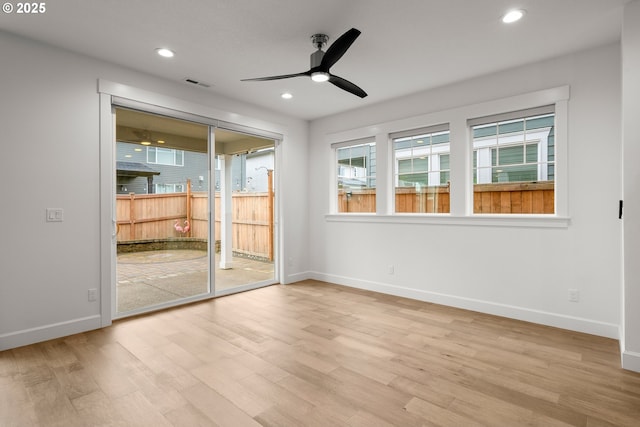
[(134, 169)]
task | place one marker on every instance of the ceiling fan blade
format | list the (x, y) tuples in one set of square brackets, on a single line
[(347, 85), (338, 48), (284, 76)]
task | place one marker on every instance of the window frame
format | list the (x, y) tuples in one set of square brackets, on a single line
[(488, 141), (171, 151), (168, 185), (461, 157), (431, 155), (335, 171), (522, 138)]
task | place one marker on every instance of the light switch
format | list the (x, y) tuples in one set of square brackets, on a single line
[(55, 215)]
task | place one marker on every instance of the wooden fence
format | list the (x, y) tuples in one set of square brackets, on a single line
[(514, 198), (511, 198), (152, 217), (432, 200)]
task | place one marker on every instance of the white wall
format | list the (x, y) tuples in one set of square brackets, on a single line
[(631, 144), (479, 267), (49, 132)]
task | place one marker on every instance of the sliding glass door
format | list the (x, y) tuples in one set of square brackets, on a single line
[(162, 211), (194, 211)]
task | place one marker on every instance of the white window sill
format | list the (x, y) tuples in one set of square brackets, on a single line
[(506, 220)]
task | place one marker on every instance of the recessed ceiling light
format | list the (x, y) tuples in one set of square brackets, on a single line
[(137, 149), (167, 53), (513, 16), (286, 95), (145, 143), (160, 141)]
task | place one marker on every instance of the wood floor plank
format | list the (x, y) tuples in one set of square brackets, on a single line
[(285, 401), (364, 419), (52, 406), (75, 381), (439, 416), (16, 406), (225, 378), (97, 409), (189, 415), (317, 396), (217, 408), (316, 354), (136, 410)]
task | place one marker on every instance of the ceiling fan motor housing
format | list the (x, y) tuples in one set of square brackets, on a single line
[(316, 58), (319, 41)]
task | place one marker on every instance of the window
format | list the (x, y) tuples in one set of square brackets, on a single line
[(421, 160), (514, 162), (165, 156), (169, 188), (356, 176), (496, 163)]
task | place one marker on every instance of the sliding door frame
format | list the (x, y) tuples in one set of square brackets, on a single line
[(116, 95)]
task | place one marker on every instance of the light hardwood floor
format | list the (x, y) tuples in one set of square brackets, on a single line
[(314, 354)]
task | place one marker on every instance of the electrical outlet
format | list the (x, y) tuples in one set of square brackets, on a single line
[(92, 294), (574, 295)]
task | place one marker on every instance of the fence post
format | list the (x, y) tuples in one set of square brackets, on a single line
[(132, 216), (189, 207)]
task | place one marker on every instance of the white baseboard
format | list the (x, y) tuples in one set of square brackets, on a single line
[(297, 277), (631, 361), (48, 332), (562, 321)]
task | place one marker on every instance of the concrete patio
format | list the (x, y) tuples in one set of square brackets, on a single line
[(149, 278)]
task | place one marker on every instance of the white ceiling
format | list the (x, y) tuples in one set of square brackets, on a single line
[(405, 45)]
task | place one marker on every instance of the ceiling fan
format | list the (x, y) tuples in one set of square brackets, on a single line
[(322, 61)]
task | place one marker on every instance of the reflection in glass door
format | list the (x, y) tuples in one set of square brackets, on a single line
[(162, 211)]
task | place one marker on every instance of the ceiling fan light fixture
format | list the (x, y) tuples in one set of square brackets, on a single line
[(320, 76), (513, 16)]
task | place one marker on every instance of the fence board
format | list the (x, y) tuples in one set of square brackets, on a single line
[(526, 198), (516, 198), (142, 217), (538, 202)]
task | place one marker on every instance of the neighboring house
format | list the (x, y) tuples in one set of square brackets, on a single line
[(150, 170), (248, 171), (256, 169), (520, 150), (357, 166), (134, 177), (155, 170)]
